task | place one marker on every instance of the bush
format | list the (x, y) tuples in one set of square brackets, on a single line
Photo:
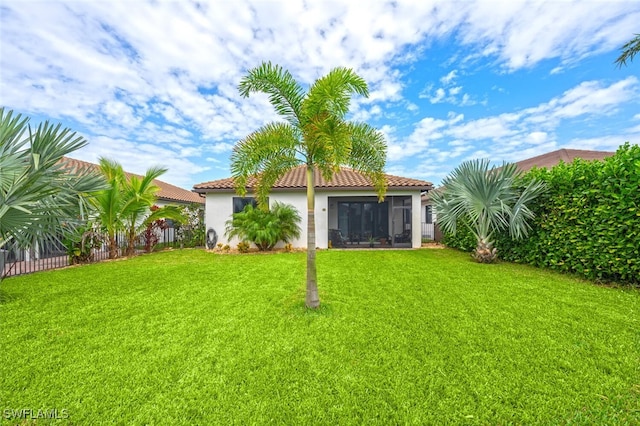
[(463, 239), (191, 233), (81, 243), (263, 227), (588, 222), (243, 247)]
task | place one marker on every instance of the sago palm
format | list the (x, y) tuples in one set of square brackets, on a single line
[(485, 200), (314, 133)]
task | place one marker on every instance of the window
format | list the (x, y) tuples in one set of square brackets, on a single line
[(428, 214), (240, 202)]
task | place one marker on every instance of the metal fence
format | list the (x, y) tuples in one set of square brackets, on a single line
[(52, 255), (428, 231)]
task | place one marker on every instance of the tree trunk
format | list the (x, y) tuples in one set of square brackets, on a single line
[(113, 247), (131, 243), (312, 300), (485, 252)]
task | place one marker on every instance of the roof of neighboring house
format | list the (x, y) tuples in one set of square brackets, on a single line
[(551, 159), (295, 179), (168, 192), (554, 158)]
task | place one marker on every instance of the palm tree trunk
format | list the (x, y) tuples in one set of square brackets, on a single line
[(131, 243), (113, 247), (313, 300), (485, 252)]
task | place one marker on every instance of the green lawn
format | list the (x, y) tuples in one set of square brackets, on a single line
[(411, 337)]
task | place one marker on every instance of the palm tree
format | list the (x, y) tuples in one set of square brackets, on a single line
[(141, 194), (265, 228), (485, 200), (125, 205), (315, 133), (629, 51), (41, 197)]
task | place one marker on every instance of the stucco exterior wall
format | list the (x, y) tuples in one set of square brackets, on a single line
[(219, 208)]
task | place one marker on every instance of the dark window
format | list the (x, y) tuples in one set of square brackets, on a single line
[(428, 214), (240, 202)]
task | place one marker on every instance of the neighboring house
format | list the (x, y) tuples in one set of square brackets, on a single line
[(168, 194), (554, 158), (548, 160), (347, 211)]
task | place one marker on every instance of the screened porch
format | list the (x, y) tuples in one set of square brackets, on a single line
[(359, 222)]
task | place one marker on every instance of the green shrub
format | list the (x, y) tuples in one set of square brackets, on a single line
[(463, 239), (243, 247), (265, 227), (588, 223), (81, 243)]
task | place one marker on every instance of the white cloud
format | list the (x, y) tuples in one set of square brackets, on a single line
[(448, 79), (514, 136), (146, 73)]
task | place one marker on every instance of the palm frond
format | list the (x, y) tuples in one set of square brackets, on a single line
[(368, 154), (284, 92), (267, 153), (331, 94), (629, 50)]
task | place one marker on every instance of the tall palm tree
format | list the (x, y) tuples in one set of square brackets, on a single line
[(126, 204), (41, 198), (629, 51), (314, 133), (485, 200)]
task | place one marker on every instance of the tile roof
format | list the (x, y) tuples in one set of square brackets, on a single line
[(553, 158), (167, 191), (345, 179)]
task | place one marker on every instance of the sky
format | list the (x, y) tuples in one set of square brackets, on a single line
[(151, 83)]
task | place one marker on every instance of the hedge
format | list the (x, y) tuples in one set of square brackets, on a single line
[(587, 223)]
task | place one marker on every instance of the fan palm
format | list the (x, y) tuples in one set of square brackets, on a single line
[(485, 200), (41, 197), (314, 133)]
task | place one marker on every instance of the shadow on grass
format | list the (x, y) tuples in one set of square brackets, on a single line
[(6, 297)]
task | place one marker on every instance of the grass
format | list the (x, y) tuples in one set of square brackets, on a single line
[(412, 337)]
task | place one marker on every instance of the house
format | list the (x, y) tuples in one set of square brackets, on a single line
[(548, 160), (554, 158), (347, 211), (168, 194)]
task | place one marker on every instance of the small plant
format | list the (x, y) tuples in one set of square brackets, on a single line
[(219, 245), (243, 247), (371, 241), (152, 234), (289, 247), (264, 227), (81, 244), (226, 248), (191, 232)]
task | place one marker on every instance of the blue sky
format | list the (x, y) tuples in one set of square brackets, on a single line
[(155, 83)]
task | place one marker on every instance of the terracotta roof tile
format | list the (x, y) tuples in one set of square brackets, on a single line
[(553, 158), (346, 179), (167, 191)]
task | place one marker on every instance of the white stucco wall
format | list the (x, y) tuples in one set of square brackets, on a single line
[(219, 208)]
